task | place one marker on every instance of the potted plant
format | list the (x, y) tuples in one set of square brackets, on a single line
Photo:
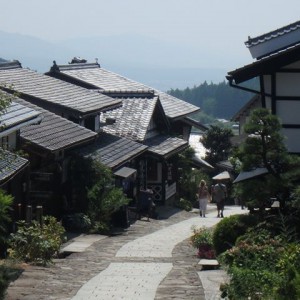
[(201, 239)]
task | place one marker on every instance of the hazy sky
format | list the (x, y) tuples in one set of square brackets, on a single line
[(215, 28)]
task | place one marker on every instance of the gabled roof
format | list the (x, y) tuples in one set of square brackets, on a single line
[(98, 78), (112, 151), (17, 116), (54, 133), (255, 101), (132, 120), (10, 165), (53, 91), (195, 123), (165, 146)]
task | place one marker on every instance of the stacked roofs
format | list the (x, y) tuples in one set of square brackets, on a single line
[(145, 114), (48, 92), (92, 76), (128, 110)]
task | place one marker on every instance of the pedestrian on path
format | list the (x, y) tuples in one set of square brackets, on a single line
[(203, 197), (219, 191)]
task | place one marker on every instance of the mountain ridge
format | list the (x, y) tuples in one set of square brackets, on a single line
[(140, 58)]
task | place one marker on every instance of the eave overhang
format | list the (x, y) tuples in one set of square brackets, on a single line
[(265, 66)]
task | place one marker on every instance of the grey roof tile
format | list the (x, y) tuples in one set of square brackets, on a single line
[(53, 90), (106, 80), (132, 119), (273, 34), (10, 164), (166, 146), (17, 115), (54, 132), (112, 151)]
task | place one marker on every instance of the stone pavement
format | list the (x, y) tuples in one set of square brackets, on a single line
[(150, 260)]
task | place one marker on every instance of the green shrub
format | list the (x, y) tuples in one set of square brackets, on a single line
[(252, 266), (262, 266), (250, 284), (200, 236), (8, 273), (37, 243), (229, 229), (202, 240), (101, 228), (77, 222), (184, 204), (5, 207), (288, 267), (256, 249)]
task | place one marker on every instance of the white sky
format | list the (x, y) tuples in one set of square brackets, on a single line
[(216, 26)]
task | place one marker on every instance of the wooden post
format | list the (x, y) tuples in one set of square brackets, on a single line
[(19, 211), (39, 214), (28, 214)]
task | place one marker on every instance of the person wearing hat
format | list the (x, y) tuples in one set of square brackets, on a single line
[(220, 192)]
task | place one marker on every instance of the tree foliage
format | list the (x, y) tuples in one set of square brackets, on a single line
[(5, 206), (264, 148), (5, 100), (217, 142), (104, 199), (219, 100)]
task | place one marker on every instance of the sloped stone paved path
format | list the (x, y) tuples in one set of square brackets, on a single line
[(88, 275)]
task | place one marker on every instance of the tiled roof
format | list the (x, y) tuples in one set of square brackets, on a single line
[(132, 119), (254, 102), (52, 90), (106, 80), (112, 151), (165, 146), (10, 164), (273, 34), (266, 65), (54, 133), (17, 116)]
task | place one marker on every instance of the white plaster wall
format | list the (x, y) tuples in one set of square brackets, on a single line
[(292, 139), (288, 111), (288, 84), (267, 83)]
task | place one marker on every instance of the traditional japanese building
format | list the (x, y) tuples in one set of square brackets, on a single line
[(277, 67), (147, 116)]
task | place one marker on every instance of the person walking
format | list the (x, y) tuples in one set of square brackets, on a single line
[(203, 196), (219, 194)]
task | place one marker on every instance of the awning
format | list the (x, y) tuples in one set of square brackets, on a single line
[(250, 174), (199, 162), (222, 176), (125, 172)]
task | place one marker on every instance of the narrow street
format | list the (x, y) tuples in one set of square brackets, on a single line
[(150, 260)]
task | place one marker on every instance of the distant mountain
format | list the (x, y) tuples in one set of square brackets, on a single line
[(143, 59)]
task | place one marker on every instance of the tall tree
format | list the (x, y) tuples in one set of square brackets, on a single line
[(217, 142), (264, 148)]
